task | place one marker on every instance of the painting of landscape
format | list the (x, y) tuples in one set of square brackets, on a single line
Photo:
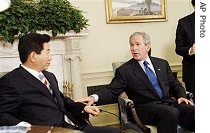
[(128, 10)]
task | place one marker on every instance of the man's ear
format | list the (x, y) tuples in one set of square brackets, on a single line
[(148, 47), (32, 56)]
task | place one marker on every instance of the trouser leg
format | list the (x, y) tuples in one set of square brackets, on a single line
[(187, 116), (164, 117)]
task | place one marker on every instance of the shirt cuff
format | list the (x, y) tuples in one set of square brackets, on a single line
[(95, 97), (24, 124)]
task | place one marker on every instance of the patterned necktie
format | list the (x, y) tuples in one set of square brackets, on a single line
[(152, 77), (45, 82)]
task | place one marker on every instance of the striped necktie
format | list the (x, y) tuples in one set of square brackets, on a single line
[(45, 82)]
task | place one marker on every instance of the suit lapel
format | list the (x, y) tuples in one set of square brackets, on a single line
[(35, 83), (141, 75)]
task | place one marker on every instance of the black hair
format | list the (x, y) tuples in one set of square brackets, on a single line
[(31, 42)]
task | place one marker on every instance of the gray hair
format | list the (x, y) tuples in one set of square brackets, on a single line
[(146, 37)]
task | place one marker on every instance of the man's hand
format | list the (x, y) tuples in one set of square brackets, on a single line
[(89, 100), (192, 49), (93, 110), (181, 99)]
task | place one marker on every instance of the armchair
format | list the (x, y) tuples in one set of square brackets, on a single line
[(129, 121)]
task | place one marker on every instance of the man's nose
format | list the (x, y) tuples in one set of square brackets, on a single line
[(50, 57)]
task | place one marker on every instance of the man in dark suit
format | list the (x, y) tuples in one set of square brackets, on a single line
[(26, 100), (152, 108), (185, 47)]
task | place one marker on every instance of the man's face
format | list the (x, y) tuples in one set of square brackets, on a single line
[(138, 49), (42, 60)]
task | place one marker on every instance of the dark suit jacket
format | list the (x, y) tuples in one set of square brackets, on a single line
[(185, 38), (24, 98), (132, 79)]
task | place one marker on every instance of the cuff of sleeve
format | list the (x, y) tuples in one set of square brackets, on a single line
[(95, 97), (24, 124)]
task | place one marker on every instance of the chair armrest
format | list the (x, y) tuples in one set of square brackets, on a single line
[(190, 96), (124, 105), (122, 110)]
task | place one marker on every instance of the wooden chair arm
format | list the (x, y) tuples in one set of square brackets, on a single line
[(124, 104)]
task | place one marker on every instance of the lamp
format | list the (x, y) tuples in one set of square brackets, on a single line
[(4, 4)]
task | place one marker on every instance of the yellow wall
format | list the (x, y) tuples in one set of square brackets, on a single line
[(107, 43)]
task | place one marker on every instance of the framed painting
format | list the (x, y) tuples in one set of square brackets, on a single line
[(128, 11)]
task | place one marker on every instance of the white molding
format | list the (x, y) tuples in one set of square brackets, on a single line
[(71, 33), (105, 77)]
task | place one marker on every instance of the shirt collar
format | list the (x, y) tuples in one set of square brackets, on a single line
[(31, 71), (147, 59), (149, 64)]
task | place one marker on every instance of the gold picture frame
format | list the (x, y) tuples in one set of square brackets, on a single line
[(128, 11)]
